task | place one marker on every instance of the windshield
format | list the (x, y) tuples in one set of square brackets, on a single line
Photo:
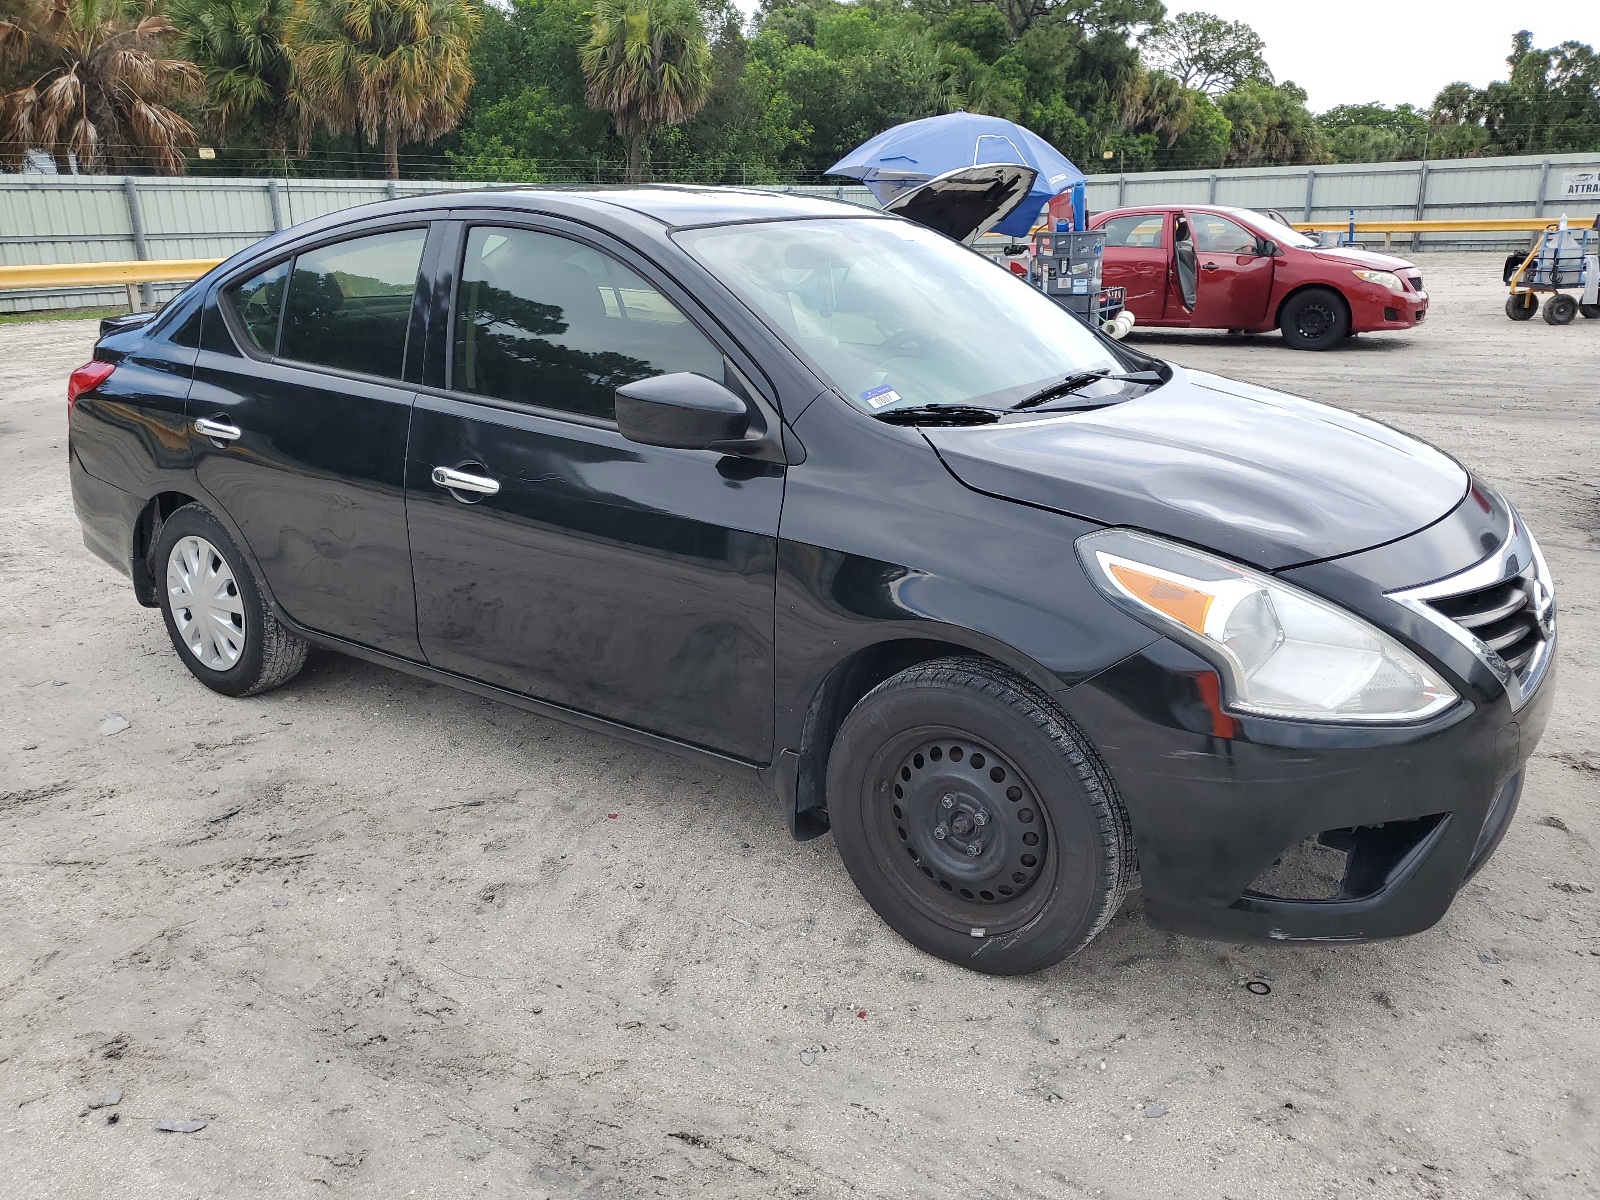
[(1281, 233), (895, 315)]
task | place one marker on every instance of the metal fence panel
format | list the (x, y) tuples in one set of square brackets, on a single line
[(54, 218)]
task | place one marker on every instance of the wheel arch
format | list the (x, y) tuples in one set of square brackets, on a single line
[(851, 678), (1310, 285), (146, 533)]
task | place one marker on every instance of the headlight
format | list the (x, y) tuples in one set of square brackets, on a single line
[(1387, 279), (1281, 652)]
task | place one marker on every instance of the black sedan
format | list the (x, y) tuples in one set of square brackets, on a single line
[(1025, 618)]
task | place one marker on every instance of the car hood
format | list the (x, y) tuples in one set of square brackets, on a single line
[(1367, 260), (1263, 477), (967, 201)]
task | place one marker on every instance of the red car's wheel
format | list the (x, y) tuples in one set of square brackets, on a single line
[(1315, 319)]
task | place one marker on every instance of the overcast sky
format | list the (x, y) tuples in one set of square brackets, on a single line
[(1393, 51)]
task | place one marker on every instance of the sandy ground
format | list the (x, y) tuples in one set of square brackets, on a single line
[(263, 915)]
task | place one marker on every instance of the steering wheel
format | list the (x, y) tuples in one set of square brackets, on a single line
[(906, 337)]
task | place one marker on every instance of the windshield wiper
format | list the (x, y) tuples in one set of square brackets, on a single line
[(1073, 383), (940, 414)]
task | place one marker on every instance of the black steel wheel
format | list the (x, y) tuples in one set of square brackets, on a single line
[(1521, 306), (1559, 310), (975, 819), (1315, 319)]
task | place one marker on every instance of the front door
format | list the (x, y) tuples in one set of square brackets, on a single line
[(561, 560), (1235, 280), (1136, 259), (298, 420)]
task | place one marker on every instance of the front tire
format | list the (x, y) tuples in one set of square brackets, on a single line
[(976, 820), (1315, 319), (1520, 306), (221, 629)]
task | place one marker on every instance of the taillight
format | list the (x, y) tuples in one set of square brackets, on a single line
[(90, 375)]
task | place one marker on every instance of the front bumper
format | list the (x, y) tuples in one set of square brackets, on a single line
[(1373, 309), (1217, 800), (1223, 806)]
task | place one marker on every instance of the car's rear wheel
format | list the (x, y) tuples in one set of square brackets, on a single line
[(222, 630), (975, 819), (1315, 319)]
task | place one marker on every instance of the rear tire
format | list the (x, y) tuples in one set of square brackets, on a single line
[(1559, 310), (976, 820), (1315, 319), (1522, 306), (221, 629), (1591, 311)]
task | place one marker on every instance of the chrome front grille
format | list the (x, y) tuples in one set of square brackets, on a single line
[(1503, 609)]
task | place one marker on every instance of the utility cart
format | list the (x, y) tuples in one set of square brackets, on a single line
[(1066, 267), (1564, 258)]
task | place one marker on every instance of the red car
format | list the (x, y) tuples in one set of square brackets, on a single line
[(1205, 267)]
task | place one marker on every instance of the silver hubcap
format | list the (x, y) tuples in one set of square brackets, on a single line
[(205, 601)]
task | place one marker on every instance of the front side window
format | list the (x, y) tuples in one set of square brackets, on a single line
[(1138, 231), (1218, 235), (547, 321), (894, 315), (349, 304), (258, 302)]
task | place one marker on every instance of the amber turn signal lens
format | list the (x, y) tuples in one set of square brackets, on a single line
[(1186, 605)]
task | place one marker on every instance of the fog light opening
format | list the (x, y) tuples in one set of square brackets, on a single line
[(1344, 864)]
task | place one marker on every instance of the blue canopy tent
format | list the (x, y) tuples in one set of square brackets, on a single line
[(909, 155)]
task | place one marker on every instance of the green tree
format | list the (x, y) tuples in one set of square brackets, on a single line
[(395, 69), (1271, 125), (1374, 132), (648, 65), (93, 82), (1207, 53), (1548, 103), (239, 49)]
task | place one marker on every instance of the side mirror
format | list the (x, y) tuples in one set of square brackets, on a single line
[(1265, 248), (682, 410)]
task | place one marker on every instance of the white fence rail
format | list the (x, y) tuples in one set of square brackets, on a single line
[(67, 219)]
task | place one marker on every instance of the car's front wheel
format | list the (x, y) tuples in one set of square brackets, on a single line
[(1315, 319), (225, 634), (975, 819)]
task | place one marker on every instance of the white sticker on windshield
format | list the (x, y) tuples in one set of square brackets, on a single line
[(880, 397)]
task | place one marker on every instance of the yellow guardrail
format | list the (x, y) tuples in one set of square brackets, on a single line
[(105, 274)]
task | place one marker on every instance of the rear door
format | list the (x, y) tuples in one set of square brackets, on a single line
[(632, 582), (1136, 257), (1235, 279), (298, 417)]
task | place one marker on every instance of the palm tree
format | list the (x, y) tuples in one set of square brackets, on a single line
[(238, 46), (647, 64), (100, 86), (399, 69)]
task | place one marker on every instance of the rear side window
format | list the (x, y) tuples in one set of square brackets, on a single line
[(1139, 230), (349, 304), (258, 301), (546, 321)]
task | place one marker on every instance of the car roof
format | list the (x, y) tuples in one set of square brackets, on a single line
[(677, 205)]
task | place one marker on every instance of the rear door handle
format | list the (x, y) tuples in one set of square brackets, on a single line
[(461, 481), (218, 429)]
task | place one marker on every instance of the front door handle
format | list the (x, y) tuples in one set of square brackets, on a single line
[(218, 429), (461, 481), (1208, 266)]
